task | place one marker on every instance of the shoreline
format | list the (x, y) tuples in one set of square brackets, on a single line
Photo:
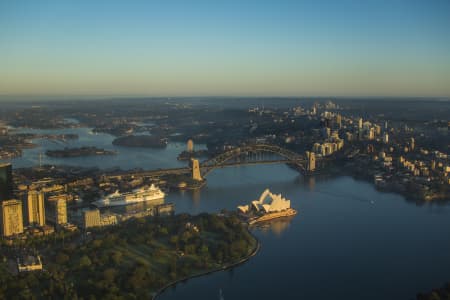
[(391, 187), (223, 268)]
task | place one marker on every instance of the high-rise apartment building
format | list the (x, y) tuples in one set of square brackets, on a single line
[(35, 208), (57, 211), (11, 217)]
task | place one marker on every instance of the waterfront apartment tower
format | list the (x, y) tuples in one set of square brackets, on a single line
[(311, 166), (35, 208), (196, 175), (12, 220), (190, 145), (6, 182)]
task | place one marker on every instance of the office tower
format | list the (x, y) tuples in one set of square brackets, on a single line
[(371, 133), (57, 211), (190, 145), (35, 208), (93, 218), (377, 130), (12, 220), (360, 123), (6, 182), (412, 143), (386, 138), (339, 120)]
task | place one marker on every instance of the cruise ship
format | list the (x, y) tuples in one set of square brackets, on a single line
[(151, 193)]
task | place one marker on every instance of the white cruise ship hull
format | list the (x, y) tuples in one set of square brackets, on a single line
[(102, 203), (152, 194)]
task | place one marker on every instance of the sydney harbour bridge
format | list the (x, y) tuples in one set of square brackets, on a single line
[(253, 154)]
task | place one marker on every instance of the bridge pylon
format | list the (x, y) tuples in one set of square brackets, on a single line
[(196, 174), (311, 165)]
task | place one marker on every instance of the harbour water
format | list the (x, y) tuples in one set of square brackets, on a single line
[(348, 240), (126, 158)]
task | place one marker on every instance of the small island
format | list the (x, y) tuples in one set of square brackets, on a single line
[(187, 155), (147, 141), (77, 152), (137, 259)]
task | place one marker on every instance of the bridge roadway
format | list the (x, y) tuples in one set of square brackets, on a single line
[(187, 170)]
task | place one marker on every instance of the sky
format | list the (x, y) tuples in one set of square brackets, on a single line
[(225, 48)]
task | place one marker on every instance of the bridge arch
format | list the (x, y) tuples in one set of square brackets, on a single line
[(222, 159)]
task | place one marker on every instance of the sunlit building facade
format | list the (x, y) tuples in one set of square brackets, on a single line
[(12, 220)]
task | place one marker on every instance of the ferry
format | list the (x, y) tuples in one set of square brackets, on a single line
[(143, 194)]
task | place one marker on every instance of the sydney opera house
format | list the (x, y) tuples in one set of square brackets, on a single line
[(267, 203)]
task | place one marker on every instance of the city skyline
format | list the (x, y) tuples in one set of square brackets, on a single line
[(375, 48)]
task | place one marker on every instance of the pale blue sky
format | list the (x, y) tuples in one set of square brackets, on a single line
[(248, 48)]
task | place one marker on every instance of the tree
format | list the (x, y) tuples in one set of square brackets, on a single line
[(84, 261), (174, 240), (163, 231), (61, 258), (109, 275), (116, 257)]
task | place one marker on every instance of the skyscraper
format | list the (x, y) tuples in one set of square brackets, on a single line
[(360, 123), (6, 182), (35, 208), (57, 211), (339, 120), (12, 220)]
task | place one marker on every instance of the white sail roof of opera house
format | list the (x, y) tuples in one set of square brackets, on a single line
[(267, 202)]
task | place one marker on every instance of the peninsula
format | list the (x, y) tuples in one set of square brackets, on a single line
[(135, 259)]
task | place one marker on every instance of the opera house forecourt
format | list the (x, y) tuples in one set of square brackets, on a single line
[(269, 206)]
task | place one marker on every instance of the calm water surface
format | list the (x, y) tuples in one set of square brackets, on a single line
[(348, 241), (127, 158)]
